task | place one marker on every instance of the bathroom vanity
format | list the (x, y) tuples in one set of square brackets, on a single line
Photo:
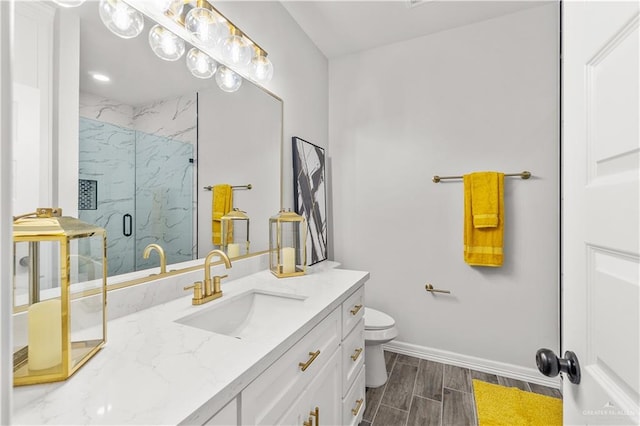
[(270, 351)]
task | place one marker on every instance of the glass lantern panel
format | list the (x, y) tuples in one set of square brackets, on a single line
[(37, 318), (240, 243), (86, 294)]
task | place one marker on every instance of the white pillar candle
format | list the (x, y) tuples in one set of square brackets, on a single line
[(233, 250), (288, 260), (45, 334)]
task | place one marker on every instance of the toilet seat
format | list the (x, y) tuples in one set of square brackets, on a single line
[(376, 320)]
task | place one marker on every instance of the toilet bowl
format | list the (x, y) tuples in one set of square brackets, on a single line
[(379, 328)]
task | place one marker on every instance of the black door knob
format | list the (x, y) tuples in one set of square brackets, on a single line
[(550, 365)]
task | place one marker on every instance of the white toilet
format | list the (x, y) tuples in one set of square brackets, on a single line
[(379, 328)]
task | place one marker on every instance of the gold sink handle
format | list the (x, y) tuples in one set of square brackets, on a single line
[(216, 283), (197, 291)]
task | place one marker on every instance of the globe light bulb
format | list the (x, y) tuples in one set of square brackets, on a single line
[(173, 7), (228, 80), (200, 64), (68, 3), (236, 51), (201, 22), (165, 44), (120, 18), (261, 68)]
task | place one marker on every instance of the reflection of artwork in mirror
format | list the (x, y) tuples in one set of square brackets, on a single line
[(144, 176), (310, 196)]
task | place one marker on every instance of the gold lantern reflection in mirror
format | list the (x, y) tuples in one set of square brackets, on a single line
[(59, 279), (235, 233), (287, 244)]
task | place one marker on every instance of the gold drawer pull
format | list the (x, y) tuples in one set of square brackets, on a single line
[(356, 354), (356, 410), (304, 365), (316, 414), (355, 309)]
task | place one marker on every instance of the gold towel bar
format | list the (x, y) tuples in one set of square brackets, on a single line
[(523, 175), (249, 186)]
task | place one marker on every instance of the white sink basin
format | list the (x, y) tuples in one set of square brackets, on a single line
[(254, 315)]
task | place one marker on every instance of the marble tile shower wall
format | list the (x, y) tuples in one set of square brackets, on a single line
[(107, 155), (163, 198), (155, 161)]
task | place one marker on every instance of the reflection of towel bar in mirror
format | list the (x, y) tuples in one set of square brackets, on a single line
[(430, 288), (249, 186), (523, 175)]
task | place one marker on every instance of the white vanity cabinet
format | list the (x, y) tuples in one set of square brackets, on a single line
[(321, 376), (352, 348), (284, 384), (320, 403), (226, 416)]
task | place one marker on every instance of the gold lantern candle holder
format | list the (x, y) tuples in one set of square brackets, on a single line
[(287, 244), (235, 233), (60, 288)]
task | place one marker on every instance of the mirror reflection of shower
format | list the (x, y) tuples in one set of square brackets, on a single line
[(136, 184)]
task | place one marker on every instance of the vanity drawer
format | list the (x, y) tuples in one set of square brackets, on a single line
[(352, 356), (354, 403), (268, 397), (352, 311)]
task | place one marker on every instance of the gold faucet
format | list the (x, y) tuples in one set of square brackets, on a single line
[(212, 289), (163, 259)]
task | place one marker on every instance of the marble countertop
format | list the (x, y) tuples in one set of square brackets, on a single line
[(156, 371)]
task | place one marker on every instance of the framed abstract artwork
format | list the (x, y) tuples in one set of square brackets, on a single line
[(310, 195)]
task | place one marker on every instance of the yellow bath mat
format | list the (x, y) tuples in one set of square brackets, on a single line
[(498, 405)]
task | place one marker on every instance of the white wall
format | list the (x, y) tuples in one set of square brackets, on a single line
[(6, 222), (479, 97), (300, 74)]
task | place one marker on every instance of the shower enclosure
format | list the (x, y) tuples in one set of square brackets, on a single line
[(139, 187)]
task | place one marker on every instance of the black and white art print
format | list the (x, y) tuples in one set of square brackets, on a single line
[(310, 195)]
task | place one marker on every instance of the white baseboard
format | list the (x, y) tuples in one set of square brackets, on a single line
[(480, 364)]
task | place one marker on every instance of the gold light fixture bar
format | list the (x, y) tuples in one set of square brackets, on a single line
[(233, 28), (523, 175)]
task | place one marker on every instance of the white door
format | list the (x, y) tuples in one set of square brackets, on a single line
[(601, 152)]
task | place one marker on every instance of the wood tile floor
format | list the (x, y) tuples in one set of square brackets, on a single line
[(420, 392)]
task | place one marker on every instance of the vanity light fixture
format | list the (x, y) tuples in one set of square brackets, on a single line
[(205, 25), (261, 67), (68, 3), (165, 44), (174, 7), (200, 64), (120, 18), (215, 39), (236, 50), (228, 80)]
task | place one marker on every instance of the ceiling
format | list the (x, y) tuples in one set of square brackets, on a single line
[(342, 27)]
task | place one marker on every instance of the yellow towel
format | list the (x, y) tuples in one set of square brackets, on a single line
[(484, 199), (222, 204), (483, 245)]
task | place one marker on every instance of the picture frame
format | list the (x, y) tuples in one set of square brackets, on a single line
[(309, 194)]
